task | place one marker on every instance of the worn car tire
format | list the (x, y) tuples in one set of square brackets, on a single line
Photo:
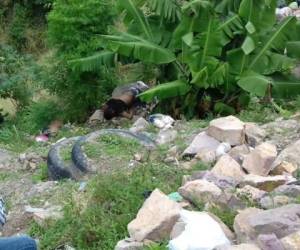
[(79, 157), (57, 168)]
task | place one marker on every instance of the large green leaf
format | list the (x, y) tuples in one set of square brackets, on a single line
[(231, 27), (138, 48), (285, 88), (94, 62), (166, 90), (293, 49), (254, 83), (138, 16), (274, 62), (168, 9), (260, 13), (276, 40)]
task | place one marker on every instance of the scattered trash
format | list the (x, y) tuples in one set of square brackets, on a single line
[(161, 121), (175, 197), (82, 186), (42, 138), (199, 224)]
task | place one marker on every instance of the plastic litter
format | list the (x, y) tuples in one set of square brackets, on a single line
[(175, 197), (201, 232), (161, 121), (82, 186), (42, 138)]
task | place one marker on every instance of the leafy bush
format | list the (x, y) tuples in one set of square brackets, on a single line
[(18, 76), (233, 46), (73, 30), (38, 115)]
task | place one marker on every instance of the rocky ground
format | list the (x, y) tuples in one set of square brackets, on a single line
[(251, 175)]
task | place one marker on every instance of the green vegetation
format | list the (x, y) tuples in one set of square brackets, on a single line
[(113, 202), (60, 60), (232, 47)]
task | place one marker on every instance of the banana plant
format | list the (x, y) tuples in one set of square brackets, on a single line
[(234, 46)]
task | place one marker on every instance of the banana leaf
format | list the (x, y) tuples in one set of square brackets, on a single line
[(138, 48), (166, 90)]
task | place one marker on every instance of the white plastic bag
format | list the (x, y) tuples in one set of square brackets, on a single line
[(201, 232)]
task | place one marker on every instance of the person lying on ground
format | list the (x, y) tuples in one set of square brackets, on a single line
[(123, 100)]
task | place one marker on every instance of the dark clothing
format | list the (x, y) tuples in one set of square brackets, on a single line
[(118, 106)]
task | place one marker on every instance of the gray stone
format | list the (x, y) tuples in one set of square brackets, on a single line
[(285, 168), (282, 133), (242, 227), (227, 166), (254, 134), (269, 202), (207, 156), (288, 190), (222, 182), (166, 136), (155, 219), (268, 183), (290, 154), (260, 160), (292, 241), (201, 191), (282, 221), (129, 244), (97, 117), (42, 215), (269, 242), (239, 152), (227, 129), (201, 142), (140, 125), (250, 193)]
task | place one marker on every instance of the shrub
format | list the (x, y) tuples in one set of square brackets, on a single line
[(18, 76), (73, 29)]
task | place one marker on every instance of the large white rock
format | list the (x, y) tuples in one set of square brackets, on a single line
[(201, 232), (201, 142), (267, 183), (292, 241), (155, 219), (201, 191), (227, 166), (260, 160), (227, 129)]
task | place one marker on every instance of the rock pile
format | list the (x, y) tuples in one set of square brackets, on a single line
[(250, 175)]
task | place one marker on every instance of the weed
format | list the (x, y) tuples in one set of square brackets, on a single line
[(226, 215), (115, 200), (41, 174)]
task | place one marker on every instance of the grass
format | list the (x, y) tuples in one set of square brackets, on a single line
[(115, 200), (227, 216), (112, 146), (41, 174)]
